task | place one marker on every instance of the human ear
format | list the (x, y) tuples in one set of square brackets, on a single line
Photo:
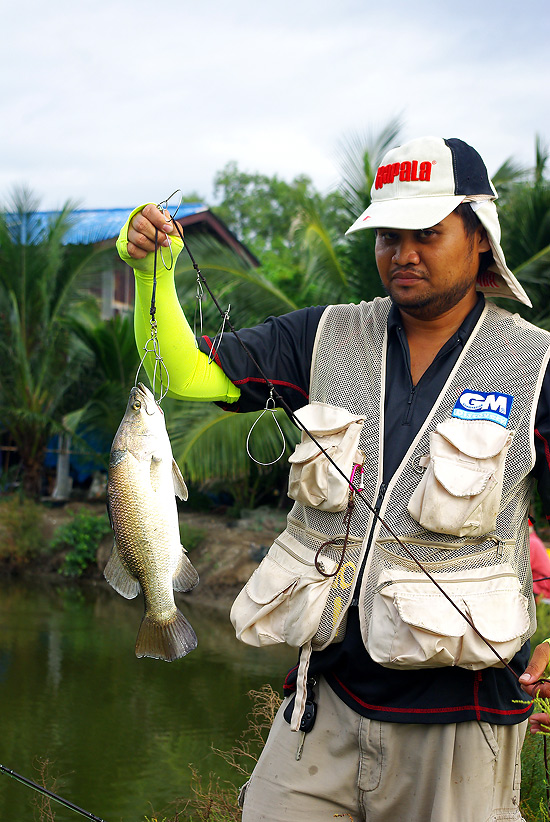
[(483, 241)]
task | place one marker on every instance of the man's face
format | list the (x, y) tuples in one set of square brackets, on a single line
[(427, 272)]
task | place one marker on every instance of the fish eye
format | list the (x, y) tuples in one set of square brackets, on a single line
[(136, 405)]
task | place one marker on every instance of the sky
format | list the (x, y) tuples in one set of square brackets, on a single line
[(113, 103)]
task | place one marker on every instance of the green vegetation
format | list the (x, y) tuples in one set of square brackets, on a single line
[(191, 537), (81, 536), (41, 284), (21, 535), (534, 783)]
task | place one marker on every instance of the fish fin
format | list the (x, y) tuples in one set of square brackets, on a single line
[(119, 577), (180, 488), (186, 576), (169, 641)]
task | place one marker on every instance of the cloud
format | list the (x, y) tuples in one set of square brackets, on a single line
[(112, 104)]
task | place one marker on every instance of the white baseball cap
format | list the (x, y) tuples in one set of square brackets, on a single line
[(421, 182)]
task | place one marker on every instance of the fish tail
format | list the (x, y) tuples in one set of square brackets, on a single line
[(168, 641)]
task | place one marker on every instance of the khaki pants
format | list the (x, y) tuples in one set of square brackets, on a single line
[(358, 769)]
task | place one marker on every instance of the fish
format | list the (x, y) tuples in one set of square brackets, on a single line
[(143, 482)]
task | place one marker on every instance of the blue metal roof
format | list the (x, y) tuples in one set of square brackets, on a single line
[(96, 225)]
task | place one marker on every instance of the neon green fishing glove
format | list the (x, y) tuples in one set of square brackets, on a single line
[(192, 376)]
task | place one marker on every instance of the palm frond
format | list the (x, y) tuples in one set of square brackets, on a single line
[(509, 172), (211, 444), (253, 295), (360, 155)]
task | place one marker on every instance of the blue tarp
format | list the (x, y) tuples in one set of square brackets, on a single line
[(89, 225)]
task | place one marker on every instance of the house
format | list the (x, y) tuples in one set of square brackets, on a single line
[(101, 227)]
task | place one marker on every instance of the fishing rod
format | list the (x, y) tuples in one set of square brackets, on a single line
[(65, 802)]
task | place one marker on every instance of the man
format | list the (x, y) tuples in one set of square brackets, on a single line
[(404, 715)]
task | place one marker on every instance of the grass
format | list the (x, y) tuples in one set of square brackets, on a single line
[(21, 534), (534, 783)]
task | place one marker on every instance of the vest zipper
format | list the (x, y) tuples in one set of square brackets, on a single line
[(377, 506), (410, 401), (406, 354), (425, 579), (405, 349)]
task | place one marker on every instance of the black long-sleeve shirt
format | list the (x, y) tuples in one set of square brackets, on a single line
[(283, 347)]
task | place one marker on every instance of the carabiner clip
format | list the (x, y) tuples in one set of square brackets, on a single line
[(269, 406), (218, 338), (163, 206)]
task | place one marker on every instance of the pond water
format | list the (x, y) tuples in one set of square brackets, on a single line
[(119, 733)]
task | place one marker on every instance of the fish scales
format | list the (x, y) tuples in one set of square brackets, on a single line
[(147, 554)]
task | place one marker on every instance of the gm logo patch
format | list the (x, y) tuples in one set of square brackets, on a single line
[(483, 405)]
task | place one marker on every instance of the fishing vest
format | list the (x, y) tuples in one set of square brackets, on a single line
[(505, 356), (457, 504)]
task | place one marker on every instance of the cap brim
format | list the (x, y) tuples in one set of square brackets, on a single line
[(407, 213)]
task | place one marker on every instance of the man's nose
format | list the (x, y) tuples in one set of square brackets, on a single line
[(406, 252)]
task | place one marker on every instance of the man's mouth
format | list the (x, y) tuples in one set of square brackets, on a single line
[(403, 276)]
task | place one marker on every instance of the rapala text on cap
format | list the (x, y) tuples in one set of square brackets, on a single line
[(409, 171)]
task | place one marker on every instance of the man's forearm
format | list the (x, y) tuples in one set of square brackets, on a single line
[(192, 376)]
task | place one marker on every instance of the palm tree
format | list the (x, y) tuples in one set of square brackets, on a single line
[(39, 281), (112, 369), (209, 444), (222, 450), (331, 259), (525, 220), (235, 282)]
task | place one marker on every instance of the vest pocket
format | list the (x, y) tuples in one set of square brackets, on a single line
[(461, 489), (313, 480), (285, 597), (413, 625)]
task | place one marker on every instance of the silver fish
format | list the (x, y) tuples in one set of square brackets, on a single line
[(147, 553)]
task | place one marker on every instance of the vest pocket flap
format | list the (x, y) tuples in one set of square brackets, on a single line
[(430, 612), (322, 419), (313, 480), (307, 451), (286, 563), (460, 480), (285, 597), (263, 588), (500, 615), (479, 439)]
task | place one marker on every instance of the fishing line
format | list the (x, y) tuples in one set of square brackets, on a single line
[(152, 345), (30, 784), (356, 490)]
